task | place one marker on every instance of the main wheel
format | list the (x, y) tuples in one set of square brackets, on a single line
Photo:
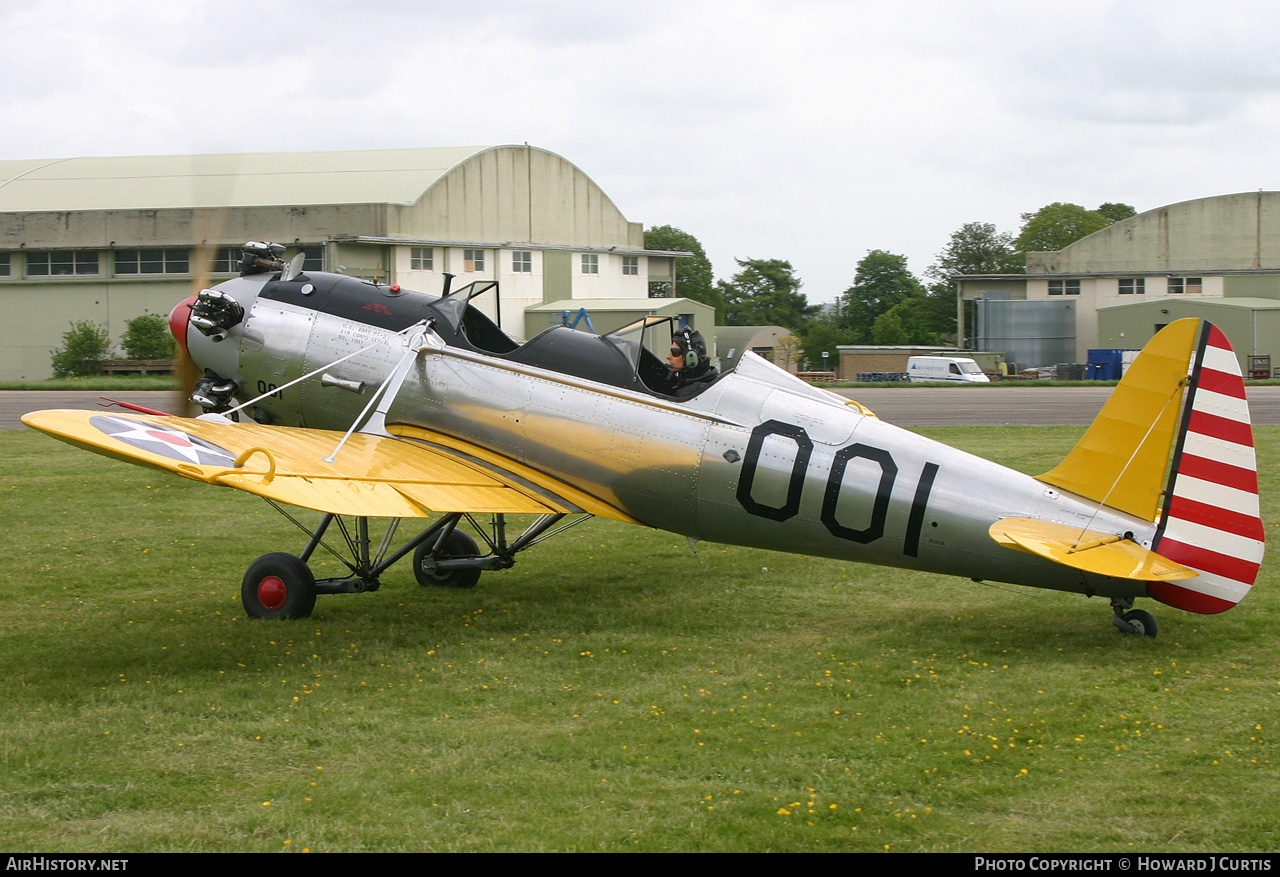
[(1143, 623), (278, 585), (459, 544)]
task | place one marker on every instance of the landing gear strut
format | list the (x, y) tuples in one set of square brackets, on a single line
[(280, 585), (1132, 621), (433, 562)]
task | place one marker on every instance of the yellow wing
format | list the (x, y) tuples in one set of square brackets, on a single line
[(371, 476)]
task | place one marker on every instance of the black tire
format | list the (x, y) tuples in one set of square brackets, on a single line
[(459, 544), (1143, 622), (278, 585)]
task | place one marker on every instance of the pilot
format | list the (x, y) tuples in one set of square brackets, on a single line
[(691, 369)]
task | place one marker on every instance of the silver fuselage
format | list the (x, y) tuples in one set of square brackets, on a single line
[(759, 458)]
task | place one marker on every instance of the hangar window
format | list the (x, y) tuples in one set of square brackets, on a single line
[(4, 264), (1064, 287), (60, 264), (522, 261), (1133, 286), (152, 262), (422, 258), (590, 263), (226, 260), (473, 259), (631, 265), (1178, 285), (314, 258)]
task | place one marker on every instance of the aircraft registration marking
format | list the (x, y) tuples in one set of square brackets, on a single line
[(877, 457)]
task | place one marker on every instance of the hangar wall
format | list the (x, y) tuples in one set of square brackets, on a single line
[(1189, 256), (73, 229), (528, 195), (1240, 232)]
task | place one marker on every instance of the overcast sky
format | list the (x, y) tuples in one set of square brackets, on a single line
[(808, 130)]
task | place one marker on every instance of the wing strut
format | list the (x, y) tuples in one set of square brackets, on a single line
[(225, 415), (416, 340)]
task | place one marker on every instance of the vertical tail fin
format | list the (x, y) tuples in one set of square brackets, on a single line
[(1211, 520), (1174, 445), (1123, 459)]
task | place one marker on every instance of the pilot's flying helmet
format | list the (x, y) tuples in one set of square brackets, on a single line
[(689, 343)]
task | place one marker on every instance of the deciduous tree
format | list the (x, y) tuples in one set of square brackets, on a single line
[(787, 351), (824, 335), (1056, 225), (976, 248), (881, 281), (765, 292), (888, 328), (693, 273), (1115, 211)]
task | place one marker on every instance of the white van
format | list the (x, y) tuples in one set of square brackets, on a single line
[(944, 368)]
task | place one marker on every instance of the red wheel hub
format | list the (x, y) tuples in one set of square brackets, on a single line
[(272, 592)]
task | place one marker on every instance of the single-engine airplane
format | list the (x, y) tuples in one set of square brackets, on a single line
[(366, 400)]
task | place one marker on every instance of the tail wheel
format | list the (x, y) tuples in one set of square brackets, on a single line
[(1141, 623), (458, 545), (278, 585)]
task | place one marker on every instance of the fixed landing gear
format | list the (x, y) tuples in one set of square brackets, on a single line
[(281, 585), (278, 585), (1137, 622), (433, 563)]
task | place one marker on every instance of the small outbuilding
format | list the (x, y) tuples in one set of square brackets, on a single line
[(1252, 325)]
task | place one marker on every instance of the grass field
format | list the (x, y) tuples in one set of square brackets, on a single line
[(107, 383), (611, 692)]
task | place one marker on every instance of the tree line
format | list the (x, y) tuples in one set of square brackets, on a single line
[(886, 303)]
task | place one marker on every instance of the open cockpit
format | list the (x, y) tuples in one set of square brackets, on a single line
[(622, 358)]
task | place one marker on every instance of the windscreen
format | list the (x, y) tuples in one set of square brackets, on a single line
[(632, 338)]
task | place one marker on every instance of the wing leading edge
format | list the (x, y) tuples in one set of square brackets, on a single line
[(371, 476)]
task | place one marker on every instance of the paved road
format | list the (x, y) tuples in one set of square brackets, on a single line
[(915, 406), (15, 403), (1015, 406)]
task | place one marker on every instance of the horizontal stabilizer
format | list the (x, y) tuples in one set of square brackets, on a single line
[(1101, 553)]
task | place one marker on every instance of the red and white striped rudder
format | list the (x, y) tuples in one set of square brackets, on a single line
[(1211, 520)]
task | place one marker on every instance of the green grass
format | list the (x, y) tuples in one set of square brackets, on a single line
[(611, 692), (96, 382)]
